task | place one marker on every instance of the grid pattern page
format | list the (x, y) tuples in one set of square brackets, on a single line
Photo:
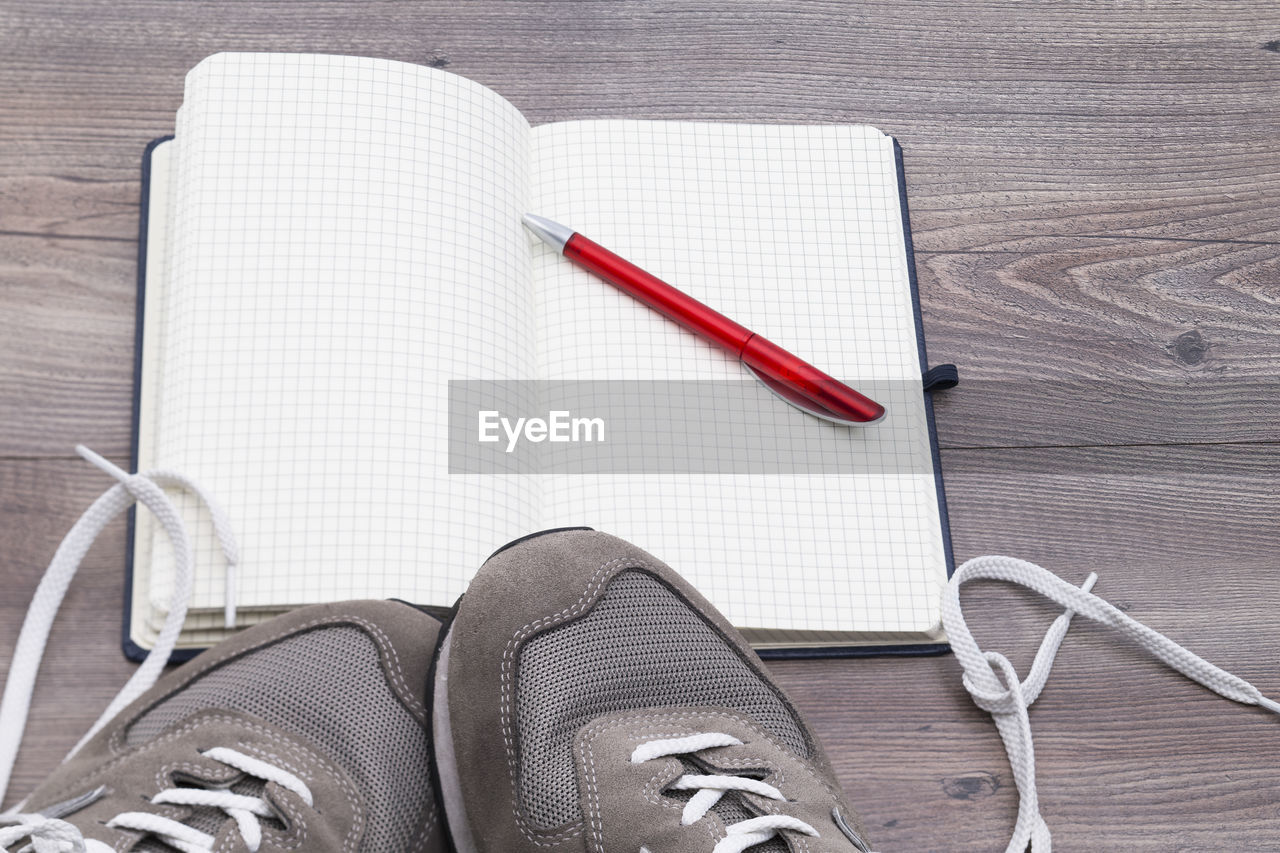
[(795, 232), (346, 240)]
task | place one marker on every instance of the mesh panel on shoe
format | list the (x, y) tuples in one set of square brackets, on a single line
[(641, 646), (328, 686)]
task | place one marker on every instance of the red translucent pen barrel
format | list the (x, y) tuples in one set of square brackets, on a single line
[(755, 351), (702, 320), (830, 393)]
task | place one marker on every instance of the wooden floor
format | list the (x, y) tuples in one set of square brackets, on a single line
[(1093, 188)]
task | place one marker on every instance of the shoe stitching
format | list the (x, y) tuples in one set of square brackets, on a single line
[(303, 771), (389, 658), (227, 844), (215, 772), (425, 827), (593, 799), (199, 720), (590, 733), (357, 830), (590, 593), (666, 777), (294, 840)]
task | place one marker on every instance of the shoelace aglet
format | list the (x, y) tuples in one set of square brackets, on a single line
[(1270, 704), (101, 462)]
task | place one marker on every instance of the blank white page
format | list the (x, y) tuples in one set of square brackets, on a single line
[(346, 239), (795, 232)]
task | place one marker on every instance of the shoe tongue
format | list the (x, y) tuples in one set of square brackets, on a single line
[(731, 808), (208, 819)]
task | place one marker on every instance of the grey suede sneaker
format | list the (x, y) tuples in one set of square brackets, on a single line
[(588, 699), (308, 732)]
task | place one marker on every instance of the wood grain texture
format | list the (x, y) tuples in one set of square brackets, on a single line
[(1129, 756), (83, 666), (1092, 187), (66, 331), (1093, 192)]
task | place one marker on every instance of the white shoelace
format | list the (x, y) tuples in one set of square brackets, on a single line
[(145, 488), (245, 810), (993, 683), (56, 836), (710, 788), (46, 835)]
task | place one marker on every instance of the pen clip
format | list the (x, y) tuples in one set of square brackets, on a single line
[(803, 403)]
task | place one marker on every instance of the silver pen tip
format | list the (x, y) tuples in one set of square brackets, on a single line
[(552, 233)]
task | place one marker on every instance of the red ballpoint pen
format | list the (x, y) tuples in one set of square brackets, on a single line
[(788, 376)]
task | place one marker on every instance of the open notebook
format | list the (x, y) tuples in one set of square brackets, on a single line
[(328, 241)]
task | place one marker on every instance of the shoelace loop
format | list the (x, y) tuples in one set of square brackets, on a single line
[(46, 835), (50, 835), (711, 787), (147, 489), (994, 685)]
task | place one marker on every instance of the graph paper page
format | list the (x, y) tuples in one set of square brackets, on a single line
[(795, 232), (346, 239)]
